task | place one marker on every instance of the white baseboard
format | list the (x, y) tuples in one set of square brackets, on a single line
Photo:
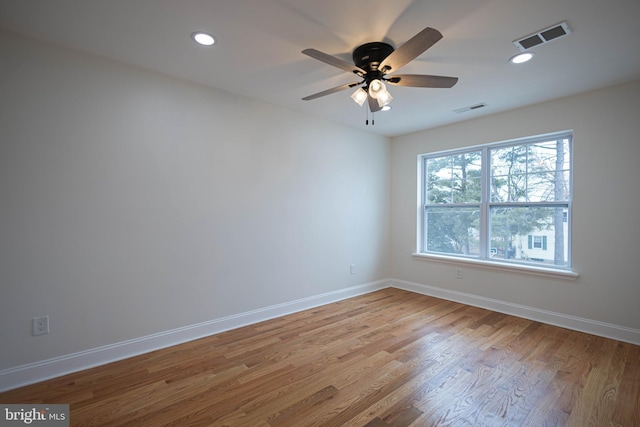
[(39, 371), (575, 323)]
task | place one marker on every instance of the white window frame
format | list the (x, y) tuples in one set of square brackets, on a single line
[(484, 259)]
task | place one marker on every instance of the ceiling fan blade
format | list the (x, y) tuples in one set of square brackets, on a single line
[(411, 49), (336, 62), (422, 80), (330, 91), (373, 104)]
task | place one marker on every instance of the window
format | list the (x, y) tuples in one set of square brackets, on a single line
[(539, 242), (507, 202)]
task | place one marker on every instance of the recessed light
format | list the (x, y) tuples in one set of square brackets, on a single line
[(202, 38), (521, 58)]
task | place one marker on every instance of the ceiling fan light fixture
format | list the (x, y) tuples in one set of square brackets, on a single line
[(359, 96), (378, 91), (202, 38)]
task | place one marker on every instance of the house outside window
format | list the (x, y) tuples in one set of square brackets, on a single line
[(508, 202)]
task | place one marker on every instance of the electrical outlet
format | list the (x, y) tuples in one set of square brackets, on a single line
[(352, 269), (40, 325), (458, 273)]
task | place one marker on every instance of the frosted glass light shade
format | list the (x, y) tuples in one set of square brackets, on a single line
[(359, 96), (384, 98), (376, 87)]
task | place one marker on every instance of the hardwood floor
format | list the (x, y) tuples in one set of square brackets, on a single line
[(388, 358)]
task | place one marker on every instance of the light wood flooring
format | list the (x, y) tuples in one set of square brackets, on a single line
[(388, 358)]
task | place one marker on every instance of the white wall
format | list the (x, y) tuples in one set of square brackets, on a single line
[(606, 227), (134, 203)]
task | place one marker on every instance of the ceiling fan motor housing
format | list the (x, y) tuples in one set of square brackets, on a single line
[(370, 55)]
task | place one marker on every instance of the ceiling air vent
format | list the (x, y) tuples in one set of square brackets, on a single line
[(470, 108), (543, 36)]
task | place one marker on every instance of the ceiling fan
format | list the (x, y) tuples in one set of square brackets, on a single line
[(375, 61)]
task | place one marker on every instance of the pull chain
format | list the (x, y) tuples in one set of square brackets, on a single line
[(373, 118)]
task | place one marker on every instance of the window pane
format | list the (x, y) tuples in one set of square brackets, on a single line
[(537, 235), (545, 155), (454, 179), (548, 171), (509, 188), (509, 160), (534, 172), (453, 230), (509, 174)]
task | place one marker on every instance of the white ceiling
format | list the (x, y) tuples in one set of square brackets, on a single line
[(259, 44)]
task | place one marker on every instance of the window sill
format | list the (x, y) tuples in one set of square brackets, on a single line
[(501, 266)]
